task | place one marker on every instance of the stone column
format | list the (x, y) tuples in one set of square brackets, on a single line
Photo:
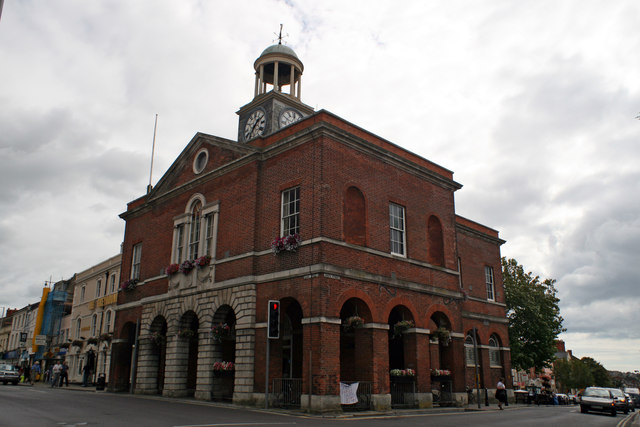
[(245, 362), (147, 372), (276, 87), (206, 356), (292, 81), (175, 381)]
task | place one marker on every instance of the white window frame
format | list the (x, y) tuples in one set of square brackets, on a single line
[(78, 327), (195, 230), (494, 352), (107, 321), (290, 211), (208, 230), (397, 230), (94, 322), (490, 283), (112, 286), (136, 257), (98, 287), (83, 291), (469, 351)]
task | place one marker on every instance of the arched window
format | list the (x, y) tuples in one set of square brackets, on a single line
[(107, 322), (494, 351), (435, 242), (354, 224), (194, 229), (194, 233), (94, 321), (469, 350)]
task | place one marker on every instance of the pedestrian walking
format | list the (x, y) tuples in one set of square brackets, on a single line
[(26, 373), (35, 371), (501, 393), (55, 371), (64, 374)]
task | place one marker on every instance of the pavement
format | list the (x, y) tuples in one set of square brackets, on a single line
[(345, 414)]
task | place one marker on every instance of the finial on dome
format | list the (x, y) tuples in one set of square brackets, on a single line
[(280, 36)]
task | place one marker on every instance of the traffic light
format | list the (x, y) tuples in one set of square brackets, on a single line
[(273, 322)]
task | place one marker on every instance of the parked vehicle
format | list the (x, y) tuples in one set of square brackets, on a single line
[(597, 399), (620, 400), (572, 398), (9, 374)]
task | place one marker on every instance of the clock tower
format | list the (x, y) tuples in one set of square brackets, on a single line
[(274, 106)]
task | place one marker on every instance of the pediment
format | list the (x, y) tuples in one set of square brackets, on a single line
[(203, 154)]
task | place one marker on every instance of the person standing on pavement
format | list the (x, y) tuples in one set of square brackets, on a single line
[(55, 373), (64, 374), (35, 371), (26, 373), (501, 393)]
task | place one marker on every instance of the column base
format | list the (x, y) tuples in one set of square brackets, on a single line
[(320, 404), (381, 402)]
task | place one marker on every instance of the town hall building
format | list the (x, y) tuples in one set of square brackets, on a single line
[(378, 283)]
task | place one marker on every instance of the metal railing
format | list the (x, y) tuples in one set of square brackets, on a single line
[(286, 392), (403, 390)]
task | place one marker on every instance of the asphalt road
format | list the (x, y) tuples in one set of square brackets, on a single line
[(25, 406)]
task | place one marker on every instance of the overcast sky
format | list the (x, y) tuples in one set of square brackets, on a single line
[(532, 104)]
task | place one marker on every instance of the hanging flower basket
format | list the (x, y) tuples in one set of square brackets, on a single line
[(350, 324), (105, 337), (203, 261), (129, 285), (157, 338), (440, 373), (186, 267), (223, 369), (186, 333), (289, 243), (77, 343), (400, 327), (65, 345), (224, 366), (402, 373), (220, 331), (443, 335), (172, 269), (92, 340)]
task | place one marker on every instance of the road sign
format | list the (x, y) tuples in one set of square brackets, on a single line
[(41, 340)]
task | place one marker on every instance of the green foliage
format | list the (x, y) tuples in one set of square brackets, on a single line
[(534, 316), (600, 375), (572, 374)]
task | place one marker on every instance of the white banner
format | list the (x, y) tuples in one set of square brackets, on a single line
[(348, 393)]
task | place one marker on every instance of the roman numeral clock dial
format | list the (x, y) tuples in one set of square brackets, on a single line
[(289, 117), (256, 125)]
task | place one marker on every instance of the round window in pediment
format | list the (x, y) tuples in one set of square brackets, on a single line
[(200, 161)]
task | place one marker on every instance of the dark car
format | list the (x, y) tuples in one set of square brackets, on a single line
[(635, 395), (620, 400), (9, 374), (630, 402), (597, 399)]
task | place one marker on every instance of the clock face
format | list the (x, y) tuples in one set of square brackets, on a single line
[(256, 124), (289, 117)]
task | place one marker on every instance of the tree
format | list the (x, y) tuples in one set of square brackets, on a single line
[(600, 375), (533, 314), (572, 374)]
